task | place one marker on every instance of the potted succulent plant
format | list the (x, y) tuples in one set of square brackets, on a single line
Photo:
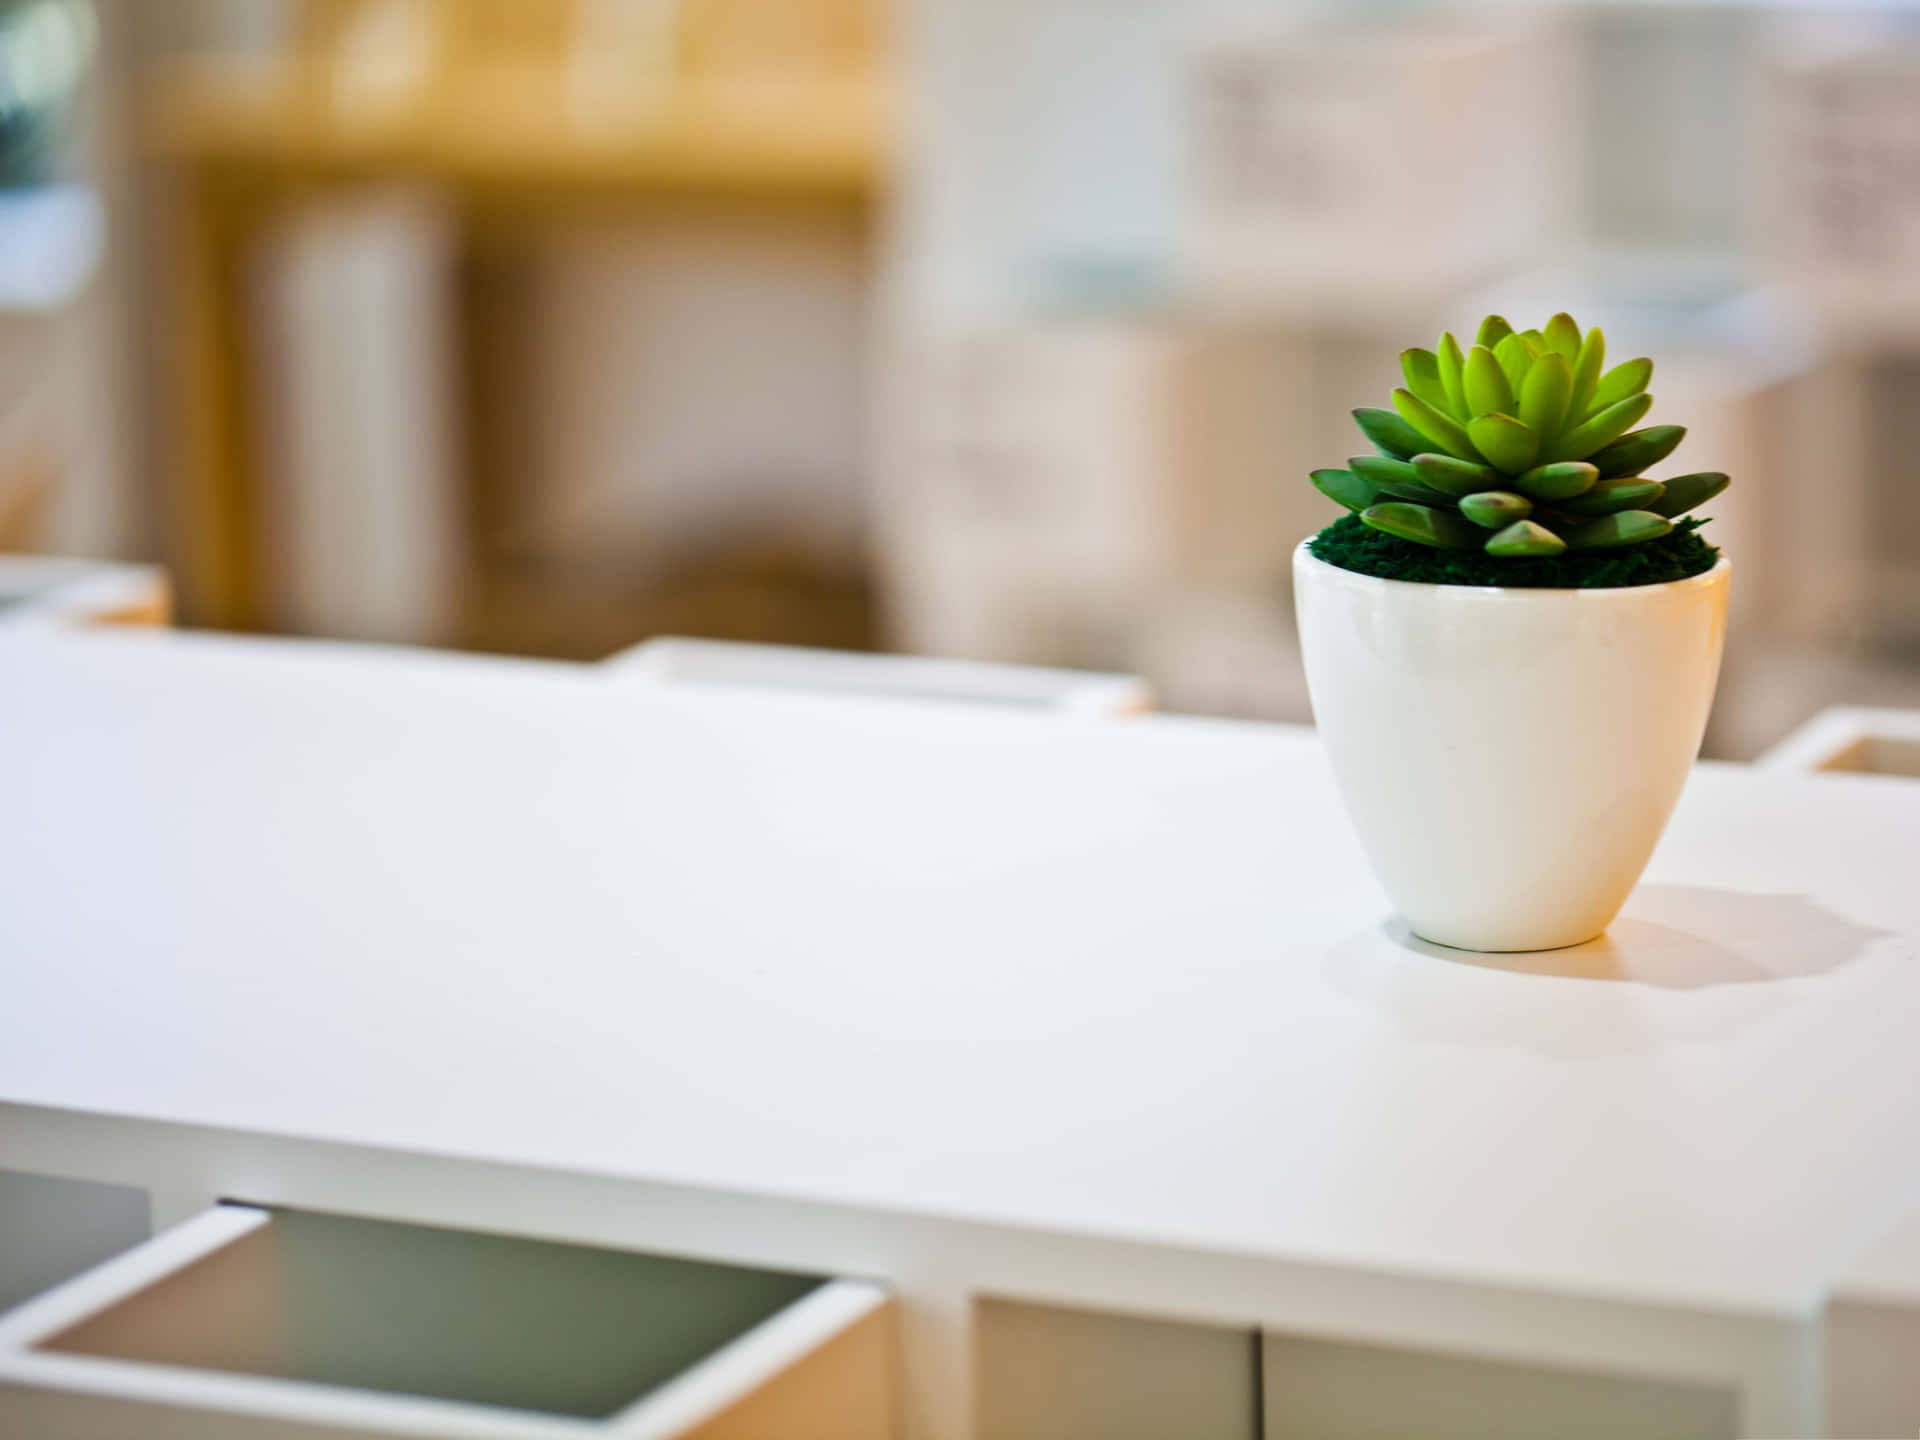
[(1512, 640)]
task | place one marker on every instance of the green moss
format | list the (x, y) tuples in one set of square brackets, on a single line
[(1364, 550)]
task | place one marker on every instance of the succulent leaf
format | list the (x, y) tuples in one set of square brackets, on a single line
[(1608, 496), (1544, 396), (1525, 538), (1560, 480), (1422, 369), (1600, 430), (1495, 509), (1492, 331), (1515, 360), (1392, 435), (1343, 487), (1632, 453), (1487, 387), (1563, 336), (1441, 430), (1396, 477), (1423, 525), (1686, 491), (1507, 444), (1629, 527), (1624, 380), (1453, 476), (1587, 366), (1453, 372)]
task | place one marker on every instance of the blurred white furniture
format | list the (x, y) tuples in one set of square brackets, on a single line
[(1103, 493), (1839, 135), (953, 999), (1837, 144), (1853, 738), (906, 677), (38, 591), (1303, 141)]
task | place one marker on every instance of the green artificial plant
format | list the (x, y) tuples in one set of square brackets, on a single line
[(1519, 448)]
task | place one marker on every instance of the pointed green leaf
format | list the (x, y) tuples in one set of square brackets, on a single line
[(1686, 491), (1608, 496), (1453, 372), (1390, 433), (1632, 453), (1345, 488), (1422, 369), (1441, 430), (1629, 527), (1525, 538), (1451, 476), (1486, 384), (1507, 444), (1396, 477), (1495, 509), (1601, 430), (1493, 330), (1559, 481), (1586, 373), (1515, 360), (1544, 396), (1625, 379), (1563, 336), (1422, 525), (1382, 469)]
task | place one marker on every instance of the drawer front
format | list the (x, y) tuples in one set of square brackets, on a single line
[(270, 1323), (1318, 1387), (1051, 1373)]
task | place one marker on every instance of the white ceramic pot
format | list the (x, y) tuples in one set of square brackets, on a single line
[(1508, 757)]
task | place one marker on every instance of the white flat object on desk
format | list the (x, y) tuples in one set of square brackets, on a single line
[(1105, 1014)]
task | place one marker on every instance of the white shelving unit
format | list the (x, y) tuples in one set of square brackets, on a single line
[(1106, 1022)]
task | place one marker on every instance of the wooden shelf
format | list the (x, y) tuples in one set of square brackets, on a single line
[(516, 142), (535, 123)]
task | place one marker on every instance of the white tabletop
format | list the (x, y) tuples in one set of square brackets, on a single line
[(1123, 978)]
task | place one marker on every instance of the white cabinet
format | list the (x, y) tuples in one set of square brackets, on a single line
[(1307, 145), (253, 1323)]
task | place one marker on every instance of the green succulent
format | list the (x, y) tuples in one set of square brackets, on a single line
[(1521, 445)]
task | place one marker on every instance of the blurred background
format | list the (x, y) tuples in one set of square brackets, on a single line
[(997, 329)]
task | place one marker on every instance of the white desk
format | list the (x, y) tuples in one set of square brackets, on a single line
[(1102, 1014)]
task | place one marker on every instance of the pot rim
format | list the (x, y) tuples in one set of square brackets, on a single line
[(1342, 576)]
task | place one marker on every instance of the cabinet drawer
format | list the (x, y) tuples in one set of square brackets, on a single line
[(275, 1324)]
